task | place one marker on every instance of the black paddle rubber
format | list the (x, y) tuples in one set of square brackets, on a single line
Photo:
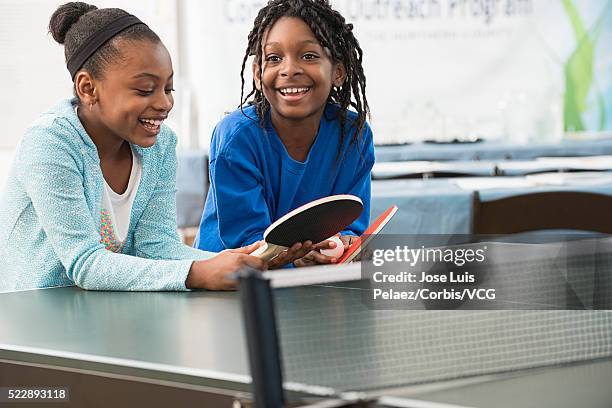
[(316, 223)]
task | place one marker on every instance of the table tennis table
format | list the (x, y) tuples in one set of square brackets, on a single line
[(190, 349)]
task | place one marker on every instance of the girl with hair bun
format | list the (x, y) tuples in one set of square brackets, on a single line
[(90, 197)]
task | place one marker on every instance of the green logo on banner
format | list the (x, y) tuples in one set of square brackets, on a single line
[(579, 78)]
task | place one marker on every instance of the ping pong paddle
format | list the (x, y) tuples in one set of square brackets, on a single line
[(314, 221), (362, 241)]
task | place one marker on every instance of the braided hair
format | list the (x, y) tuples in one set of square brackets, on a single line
[(333, 33)]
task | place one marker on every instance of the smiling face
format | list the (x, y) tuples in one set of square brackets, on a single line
[(298, 72), (134, 97)]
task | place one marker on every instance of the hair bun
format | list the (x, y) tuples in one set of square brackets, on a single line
[(64, 18)]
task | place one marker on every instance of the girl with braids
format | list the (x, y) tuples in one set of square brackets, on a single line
[(297, 140), (90, 197)]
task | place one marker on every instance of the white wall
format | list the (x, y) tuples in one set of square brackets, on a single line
[(31, 66), (6, 156)]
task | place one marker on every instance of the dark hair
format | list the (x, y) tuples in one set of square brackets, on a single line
[(73, 23), (333, 33)]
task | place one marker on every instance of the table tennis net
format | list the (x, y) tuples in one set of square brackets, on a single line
[(329, 337)]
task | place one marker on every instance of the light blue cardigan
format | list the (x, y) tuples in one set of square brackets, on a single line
[(50, 215)]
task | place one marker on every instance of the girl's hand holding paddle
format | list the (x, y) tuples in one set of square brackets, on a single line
[(315, 257), (297, 251)]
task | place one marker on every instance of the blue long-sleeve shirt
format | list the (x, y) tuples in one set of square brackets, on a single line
[(50, 215), (254, 181)]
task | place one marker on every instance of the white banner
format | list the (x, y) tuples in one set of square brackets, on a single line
[(446, 69)]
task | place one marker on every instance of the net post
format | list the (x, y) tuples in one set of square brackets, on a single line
[(262, 341)]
